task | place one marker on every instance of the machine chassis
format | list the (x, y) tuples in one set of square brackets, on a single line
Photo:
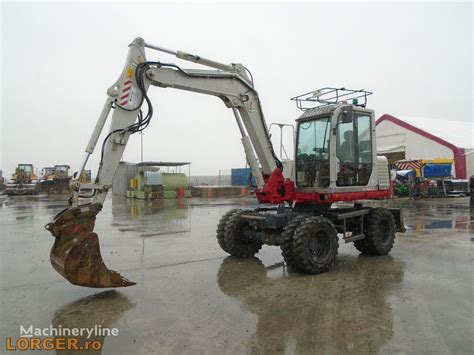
[(268, 222)]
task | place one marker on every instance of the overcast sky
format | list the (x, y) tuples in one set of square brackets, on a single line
[(58, 60)]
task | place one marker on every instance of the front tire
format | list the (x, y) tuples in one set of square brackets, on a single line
[(220, 232), (235, 240), (287, 237), (380, 233), (315, 245)]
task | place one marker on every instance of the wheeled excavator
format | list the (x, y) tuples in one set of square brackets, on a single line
[(335, 167)]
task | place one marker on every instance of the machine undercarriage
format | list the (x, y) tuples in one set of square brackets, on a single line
[(241, 233)]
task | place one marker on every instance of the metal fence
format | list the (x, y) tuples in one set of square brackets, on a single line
[(225, 177), (221, 178)]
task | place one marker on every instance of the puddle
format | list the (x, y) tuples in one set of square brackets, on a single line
[(461, 223)]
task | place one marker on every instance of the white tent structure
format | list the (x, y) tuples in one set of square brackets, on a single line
[(414, 138)]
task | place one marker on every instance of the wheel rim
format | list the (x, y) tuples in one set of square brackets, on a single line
[(241, 229), (385, 231), (319, 246)]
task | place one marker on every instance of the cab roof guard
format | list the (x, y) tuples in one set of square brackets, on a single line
[(331, 96)]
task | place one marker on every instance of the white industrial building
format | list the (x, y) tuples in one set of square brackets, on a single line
[(423, 138)]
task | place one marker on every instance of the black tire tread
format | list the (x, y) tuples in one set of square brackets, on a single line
[(372, 245), (234, 241), (364, 246), (287, 237), (306, 229), (220, 232)]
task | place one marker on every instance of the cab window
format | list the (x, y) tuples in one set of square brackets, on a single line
[(312, 153)]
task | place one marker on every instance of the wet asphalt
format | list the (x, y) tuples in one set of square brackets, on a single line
[(192, 298)]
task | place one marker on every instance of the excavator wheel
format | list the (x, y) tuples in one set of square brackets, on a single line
[(315, 245), (364, 246), (236, 242), (220, 232), (76, 251), (380, 233), (287, 237)]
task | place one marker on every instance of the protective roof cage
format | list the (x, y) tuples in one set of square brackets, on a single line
[(330, 96)]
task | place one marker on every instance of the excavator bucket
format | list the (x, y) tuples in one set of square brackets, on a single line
[(76, 252)]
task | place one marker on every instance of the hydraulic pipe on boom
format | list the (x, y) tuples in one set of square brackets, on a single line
[(76, 252)]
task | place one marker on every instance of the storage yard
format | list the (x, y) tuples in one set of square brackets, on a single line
[(191, 297)]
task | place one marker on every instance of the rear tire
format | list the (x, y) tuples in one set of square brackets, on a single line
[(287, 237), (380, 233), (235, 240), (315, 245)]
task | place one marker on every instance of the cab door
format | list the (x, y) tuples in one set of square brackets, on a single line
[(312, 160), (354, 148)]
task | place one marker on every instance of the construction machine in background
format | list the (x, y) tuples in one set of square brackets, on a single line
[(85, 176), (56, 179), (23, 182), (335, 161), (47, 173), (62, 172)]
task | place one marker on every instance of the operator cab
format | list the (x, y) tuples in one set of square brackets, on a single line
[(27, 168), (62, 168), (335, 143), (61, 171)]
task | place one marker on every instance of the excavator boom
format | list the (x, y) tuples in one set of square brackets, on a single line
[(76, 252)]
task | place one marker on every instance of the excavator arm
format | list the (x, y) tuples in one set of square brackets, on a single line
[(76, 252)]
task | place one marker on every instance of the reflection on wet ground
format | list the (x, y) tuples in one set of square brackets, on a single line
[(450, 213), (98, 311), (297, 315), (192, 298)]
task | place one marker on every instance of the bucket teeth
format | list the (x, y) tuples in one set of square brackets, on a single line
[(76, 251)]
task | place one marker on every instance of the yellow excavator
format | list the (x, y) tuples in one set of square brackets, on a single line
[(335, 160)]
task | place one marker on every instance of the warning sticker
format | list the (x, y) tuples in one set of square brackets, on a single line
[(127, 89)]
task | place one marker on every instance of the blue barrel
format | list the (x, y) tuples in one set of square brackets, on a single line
[(241, 177)]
